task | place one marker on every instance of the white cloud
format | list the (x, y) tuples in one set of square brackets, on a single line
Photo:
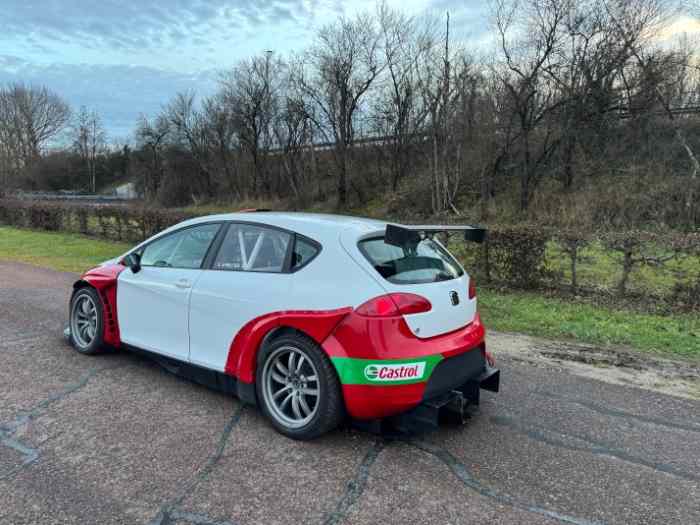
[(118, 93), (125, 57)]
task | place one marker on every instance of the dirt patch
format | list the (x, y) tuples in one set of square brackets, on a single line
[(612, 365)]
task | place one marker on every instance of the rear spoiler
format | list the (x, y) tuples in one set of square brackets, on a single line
[(400, 235)]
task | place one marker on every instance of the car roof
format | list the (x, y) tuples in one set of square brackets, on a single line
[(313, 225)]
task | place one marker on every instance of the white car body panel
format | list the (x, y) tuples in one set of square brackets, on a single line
[(223, 301), (153, 309), (198, 324), (444, 317)]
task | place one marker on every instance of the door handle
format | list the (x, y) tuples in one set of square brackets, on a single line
[(183, 283)]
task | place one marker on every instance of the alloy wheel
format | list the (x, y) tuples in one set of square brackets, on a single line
[(291, 387), (84, 321)]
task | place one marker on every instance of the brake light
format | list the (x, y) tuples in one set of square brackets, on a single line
[(394, 304), (472, 287)]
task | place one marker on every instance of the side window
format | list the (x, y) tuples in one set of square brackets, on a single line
[(252, 249), (184, 249), (304, 251)]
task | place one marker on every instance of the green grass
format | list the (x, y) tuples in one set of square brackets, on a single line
[(528, 313), (676, 335), (602, 268), (60, 251)]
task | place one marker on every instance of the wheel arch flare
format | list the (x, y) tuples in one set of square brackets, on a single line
[(104, 280), (383, 368)]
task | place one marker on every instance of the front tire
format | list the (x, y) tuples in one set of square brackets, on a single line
[(298, 388), (86, 321)]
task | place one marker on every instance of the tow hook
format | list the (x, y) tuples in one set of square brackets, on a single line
[(455, 411)]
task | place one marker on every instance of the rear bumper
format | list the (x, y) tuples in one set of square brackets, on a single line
[(385, 370), (450, 406), (464, 374)]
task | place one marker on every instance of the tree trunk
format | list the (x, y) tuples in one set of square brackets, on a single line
[(436, 176), (525, 177), (342, 177), (690, 195), (524, 189), (568, 164), (627, 265), (574, 277)]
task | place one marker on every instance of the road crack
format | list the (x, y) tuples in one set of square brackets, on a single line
[(8, 430), (595, 447), (615, 412), (27, 339), (462, 473), (356, 486), (170, 511), (194, 519)]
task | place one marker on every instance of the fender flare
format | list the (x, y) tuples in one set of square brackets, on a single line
[(243, 351), (104, 280)]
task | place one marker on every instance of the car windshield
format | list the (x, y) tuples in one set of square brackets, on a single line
[(424, 262)]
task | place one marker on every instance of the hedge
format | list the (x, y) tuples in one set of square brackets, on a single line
[(110, 222), (522, 257)]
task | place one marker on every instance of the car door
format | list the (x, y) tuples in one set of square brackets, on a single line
[(153, 303), (248, 277)]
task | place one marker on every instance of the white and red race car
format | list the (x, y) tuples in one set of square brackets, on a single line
[(312, 317)]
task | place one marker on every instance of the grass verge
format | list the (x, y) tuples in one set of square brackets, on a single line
[(528, 313), (60, 251)]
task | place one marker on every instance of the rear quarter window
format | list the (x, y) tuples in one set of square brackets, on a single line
[(305, 250), (424, 262)]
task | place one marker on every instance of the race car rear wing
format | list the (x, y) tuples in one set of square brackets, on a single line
[(400, 235)]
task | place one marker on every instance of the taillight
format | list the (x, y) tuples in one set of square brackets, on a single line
[(472, 287), (394, 304)]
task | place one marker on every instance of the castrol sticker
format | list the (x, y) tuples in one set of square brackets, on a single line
[(403, 372)]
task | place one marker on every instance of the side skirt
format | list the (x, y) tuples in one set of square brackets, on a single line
[(206, 377)]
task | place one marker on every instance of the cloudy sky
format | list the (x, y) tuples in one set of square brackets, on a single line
[(126, 57)]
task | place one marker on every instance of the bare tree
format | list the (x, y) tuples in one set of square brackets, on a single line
[(189, 129), (30, 117), (252, 92), (220, 125), (664, 71), (89, 141), (530, 37), (151, 135), (294, 134), (11, 161), (587, 74), (443, 78), (398, 115), (335, 75)]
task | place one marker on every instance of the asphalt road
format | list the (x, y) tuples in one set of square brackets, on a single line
[(115, 439)]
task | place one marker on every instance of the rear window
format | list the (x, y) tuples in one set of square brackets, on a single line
[(425, 262)]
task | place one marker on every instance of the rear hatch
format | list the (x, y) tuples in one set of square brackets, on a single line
[(424, 268)]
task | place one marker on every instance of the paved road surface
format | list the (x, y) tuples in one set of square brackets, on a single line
[(115, 439)]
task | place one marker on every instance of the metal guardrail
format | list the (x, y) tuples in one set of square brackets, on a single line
[(68, 196)]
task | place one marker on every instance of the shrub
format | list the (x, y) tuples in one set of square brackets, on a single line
[(516, 256), (572, 243), (113, 222)]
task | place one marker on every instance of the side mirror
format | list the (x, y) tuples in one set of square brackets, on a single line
[(133, 261)]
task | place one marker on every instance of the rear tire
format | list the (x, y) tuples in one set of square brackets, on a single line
[(298, 388), (86, 321)]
